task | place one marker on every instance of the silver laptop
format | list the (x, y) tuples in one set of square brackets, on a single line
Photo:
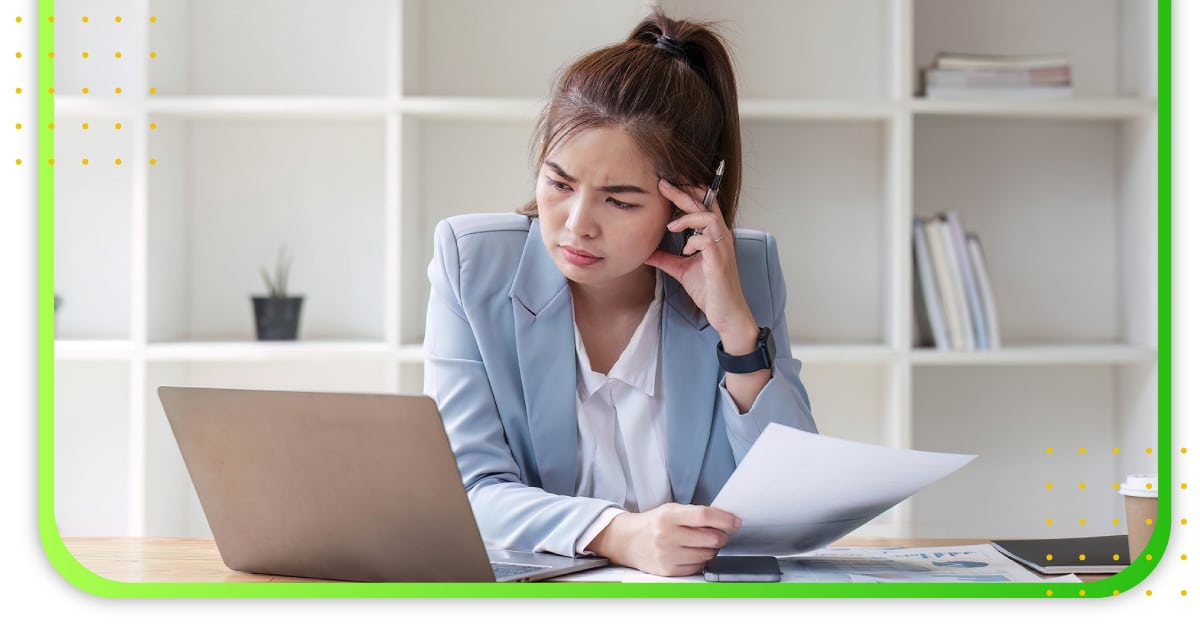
[(360, 487)]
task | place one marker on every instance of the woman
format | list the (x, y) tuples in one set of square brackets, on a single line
[(597, 390)]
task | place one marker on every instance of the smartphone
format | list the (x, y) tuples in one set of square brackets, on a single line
[(742, 569), (674, 242)]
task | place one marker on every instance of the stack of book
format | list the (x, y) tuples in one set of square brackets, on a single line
[(956, 309), (967, 76)]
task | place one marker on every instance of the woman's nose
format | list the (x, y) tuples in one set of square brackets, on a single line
[(581, 218)]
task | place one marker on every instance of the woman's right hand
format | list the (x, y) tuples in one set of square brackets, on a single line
[(669, 540)]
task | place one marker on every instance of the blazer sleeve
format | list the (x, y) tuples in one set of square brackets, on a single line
[(510, 513), (783, 399)]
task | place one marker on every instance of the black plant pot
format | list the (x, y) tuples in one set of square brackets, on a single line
[(277, 318)]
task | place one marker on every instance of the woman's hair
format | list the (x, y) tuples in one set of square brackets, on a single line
[(676, 98)]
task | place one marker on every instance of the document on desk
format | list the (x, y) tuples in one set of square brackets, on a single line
[(796, 491), (960, 564)]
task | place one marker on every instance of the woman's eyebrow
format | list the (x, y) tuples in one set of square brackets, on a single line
[(620, 188)]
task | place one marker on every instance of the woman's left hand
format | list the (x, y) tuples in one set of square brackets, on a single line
[(711, 276)]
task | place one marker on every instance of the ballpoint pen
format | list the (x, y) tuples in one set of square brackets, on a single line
[(675, 242), (711, 194)]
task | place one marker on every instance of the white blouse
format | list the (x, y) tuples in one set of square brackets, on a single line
[(622, 453)]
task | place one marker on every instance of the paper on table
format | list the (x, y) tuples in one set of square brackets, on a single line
[(796, 491)]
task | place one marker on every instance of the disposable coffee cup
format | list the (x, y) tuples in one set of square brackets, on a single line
[(1141, 510)]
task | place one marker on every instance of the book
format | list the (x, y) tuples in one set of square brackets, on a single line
[(991, 61), (945, 283), (958, 244), (997, 78), (929, 302), (957, 286), (1053, 556), (984, 282), (1033, 93)]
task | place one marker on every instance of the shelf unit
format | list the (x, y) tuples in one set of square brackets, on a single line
[(347, 134)]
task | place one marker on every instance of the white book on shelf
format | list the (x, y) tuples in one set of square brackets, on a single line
[(997, 78), (982, 279), (1032, 93), (947, 59), (957, 291), (941, 267), (929, 301), (958, 244)]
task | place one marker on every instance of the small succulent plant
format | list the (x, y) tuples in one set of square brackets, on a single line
[(277, 285)]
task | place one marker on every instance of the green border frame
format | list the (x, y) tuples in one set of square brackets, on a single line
[(82, 578)]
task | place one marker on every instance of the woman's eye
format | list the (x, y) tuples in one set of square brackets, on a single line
[(557, 185), (620, 205)]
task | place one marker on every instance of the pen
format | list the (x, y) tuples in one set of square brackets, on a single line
[(711, 194)]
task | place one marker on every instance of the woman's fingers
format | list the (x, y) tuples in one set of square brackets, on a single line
[(689, 201)]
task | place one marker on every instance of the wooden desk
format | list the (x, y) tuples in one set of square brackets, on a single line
[(197, 559)]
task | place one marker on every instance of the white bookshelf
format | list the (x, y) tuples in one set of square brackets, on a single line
[(348, 130)]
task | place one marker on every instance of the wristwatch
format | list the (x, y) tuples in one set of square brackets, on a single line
[(763, 356)]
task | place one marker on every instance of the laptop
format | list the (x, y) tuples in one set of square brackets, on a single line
[(357, 487)]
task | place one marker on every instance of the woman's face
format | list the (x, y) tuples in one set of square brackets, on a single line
[(599, 207)]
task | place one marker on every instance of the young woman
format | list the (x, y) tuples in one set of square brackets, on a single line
[(598, 390)]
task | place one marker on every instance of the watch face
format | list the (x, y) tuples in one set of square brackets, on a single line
[(770, 347)]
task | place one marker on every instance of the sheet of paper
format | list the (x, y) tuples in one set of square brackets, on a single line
[(796, 491), (961, 564)]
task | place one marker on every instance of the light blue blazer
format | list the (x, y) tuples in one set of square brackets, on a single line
[(500, 362)]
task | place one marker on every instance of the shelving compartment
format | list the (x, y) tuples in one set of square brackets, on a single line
[(92, 226), (1111, 44), (455, 167), (1065, 215), (820, 189), (785, 49), (101, 38), (270, 48), (228, 193), (92, 491), (1030, 427), (452, 47)]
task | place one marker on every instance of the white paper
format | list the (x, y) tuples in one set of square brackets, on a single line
[(796, 491), (958, 564)]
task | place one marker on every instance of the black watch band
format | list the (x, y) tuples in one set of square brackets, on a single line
[(763, 356)]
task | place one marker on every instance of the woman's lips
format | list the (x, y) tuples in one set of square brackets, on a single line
[(577, 257)]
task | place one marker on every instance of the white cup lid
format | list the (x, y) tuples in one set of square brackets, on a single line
[(1140, 485)]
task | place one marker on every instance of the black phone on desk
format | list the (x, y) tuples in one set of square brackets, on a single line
[(743, 569)]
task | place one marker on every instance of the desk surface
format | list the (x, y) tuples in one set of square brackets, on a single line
[(197, 559)]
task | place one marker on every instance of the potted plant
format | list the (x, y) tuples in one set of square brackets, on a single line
[(277, 314)]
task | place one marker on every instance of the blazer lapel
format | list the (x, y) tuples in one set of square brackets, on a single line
[(690, 378), (545, 343)]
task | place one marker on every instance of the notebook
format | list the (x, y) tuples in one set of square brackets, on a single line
[(1095, 554)]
